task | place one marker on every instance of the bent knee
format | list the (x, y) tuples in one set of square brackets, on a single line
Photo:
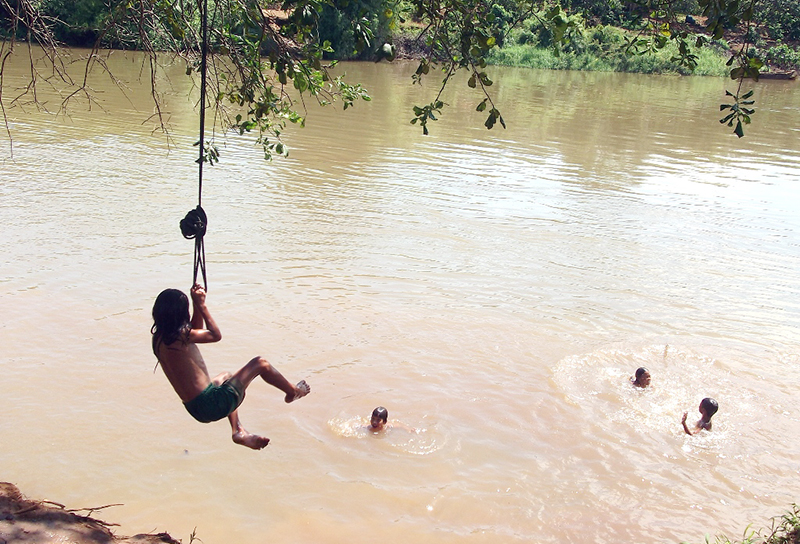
[(261, 363)]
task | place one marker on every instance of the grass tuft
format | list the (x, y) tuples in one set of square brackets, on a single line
[(709, 63), (784, 530)]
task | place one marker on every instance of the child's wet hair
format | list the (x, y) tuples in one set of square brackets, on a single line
[(381, 412), (639, 371), (710, 406)]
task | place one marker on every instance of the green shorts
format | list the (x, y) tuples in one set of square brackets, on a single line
[(216, 401)]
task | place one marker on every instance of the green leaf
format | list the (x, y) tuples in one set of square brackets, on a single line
[(301, 84), (739, 131), (490, 121)]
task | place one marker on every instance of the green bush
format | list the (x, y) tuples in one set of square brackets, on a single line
[(355, 28), (602, 49), (781, 18), (77, 22), (782, 55), (82, 22)]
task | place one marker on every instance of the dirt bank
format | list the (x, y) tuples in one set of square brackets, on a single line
[(24, 520)]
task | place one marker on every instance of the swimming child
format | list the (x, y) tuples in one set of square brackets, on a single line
[(379, 418), (175, 339), (379, 421), (642, 378), (708, 407)]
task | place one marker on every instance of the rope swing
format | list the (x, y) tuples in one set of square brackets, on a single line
[(195, 223)]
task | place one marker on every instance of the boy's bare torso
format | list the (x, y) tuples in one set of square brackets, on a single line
[(185, 369)]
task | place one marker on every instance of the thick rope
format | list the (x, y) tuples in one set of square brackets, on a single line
[(195, 223), (203, 71)]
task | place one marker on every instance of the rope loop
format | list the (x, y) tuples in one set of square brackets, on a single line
[(194, 224)]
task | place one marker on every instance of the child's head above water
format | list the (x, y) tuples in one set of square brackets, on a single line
[(379, 417), (708, 407), (642, 378)]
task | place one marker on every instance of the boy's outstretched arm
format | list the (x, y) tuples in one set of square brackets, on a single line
[(204, 328), (683, 422), (404, 427)]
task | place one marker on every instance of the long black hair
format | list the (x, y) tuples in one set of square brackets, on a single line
[(170, 318)]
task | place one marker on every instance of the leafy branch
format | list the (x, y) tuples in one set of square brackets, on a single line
[(262, 63), (721, 18), (740, 111)]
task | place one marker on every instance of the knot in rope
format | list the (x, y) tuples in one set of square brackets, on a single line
[(194, 224)]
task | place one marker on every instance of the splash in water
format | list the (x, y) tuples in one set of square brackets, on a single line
[(398, 435)]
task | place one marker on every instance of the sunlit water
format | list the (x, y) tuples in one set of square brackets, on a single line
[(494, 290)]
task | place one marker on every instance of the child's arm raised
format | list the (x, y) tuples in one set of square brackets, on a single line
[(201, 316), (685, 427)]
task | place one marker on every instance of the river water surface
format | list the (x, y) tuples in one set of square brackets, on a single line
[(493, 289)]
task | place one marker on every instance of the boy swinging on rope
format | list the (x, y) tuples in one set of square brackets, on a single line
[(175, 339)]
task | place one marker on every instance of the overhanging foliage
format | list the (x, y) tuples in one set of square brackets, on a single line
[(265, 59)]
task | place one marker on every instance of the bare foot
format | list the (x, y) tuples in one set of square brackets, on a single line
[(300, 390), (252, 441)]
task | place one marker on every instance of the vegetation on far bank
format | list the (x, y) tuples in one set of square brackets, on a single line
[(604, 37), (597, 35), (261, 53), (603, 48)]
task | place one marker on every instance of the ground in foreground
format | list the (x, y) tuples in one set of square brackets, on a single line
[(24, 521)]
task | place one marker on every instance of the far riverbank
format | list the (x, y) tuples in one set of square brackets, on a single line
[(606, 49)]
